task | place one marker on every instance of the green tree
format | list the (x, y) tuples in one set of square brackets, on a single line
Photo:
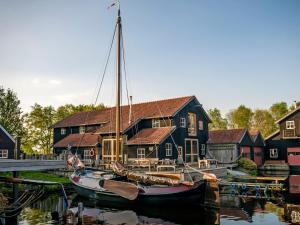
[(69, 109), (11, 117), (264, 121), (278, 110), (240, 117), (217, 121), (39, 131)]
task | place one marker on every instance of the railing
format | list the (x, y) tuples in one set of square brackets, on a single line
[(291, 133), (40, 157)]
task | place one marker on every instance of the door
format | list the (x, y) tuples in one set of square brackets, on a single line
[(109, 150), (191, 150)]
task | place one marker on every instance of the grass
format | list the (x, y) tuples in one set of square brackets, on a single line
[(39, 175)]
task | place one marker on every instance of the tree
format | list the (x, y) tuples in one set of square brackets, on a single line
[(264, 121), (11, 117), (217, 121), (240, 117), (69, 109), (39, 131), (293, 106), (278, 110)]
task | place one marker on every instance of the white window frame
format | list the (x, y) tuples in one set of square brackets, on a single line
[(63, 131), (200, 124), (81, 129), (203, 147), (182, 122), (141, 153), (3, 153), (179, 151), (290, 124), (168, 147), (273, 153), (155, 123)]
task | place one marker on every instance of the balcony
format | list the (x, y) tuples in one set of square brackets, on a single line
[(289, 134)]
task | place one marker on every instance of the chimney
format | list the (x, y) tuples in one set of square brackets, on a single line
[(17, 148)]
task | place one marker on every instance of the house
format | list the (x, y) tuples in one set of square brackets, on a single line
[(7, 144), (166, 129), (258, 147), (283, 146), (227, 146)]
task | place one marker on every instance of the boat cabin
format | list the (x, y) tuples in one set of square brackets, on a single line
[(170, 129)]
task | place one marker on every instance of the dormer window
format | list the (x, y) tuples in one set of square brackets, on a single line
[(290, 124), (182, 122), (63, 131), (81, 129), (155, 123)]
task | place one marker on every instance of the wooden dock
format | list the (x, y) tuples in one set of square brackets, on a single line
[(10, 165)]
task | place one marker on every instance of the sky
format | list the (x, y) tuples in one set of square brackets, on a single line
[(225, 52)]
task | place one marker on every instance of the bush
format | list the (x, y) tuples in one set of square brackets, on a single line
[(248, 165)]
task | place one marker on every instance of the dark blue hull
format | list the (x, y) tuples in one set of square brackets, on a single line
[(193, 196)]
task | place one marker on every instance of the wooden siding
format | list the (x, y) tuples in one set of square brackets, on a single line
[(7, 143), (225, 153), (258, 155), (290, 133)]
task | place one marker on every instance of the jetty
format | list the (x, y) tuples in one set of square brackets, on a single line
[(13, 165)]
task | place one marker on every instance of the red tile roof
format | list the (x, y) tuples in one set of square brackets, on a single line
[(154, 109), (226, 136), (78, 140), (151, 136)]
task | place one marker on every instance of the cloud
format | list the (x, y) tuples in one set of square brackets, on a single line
[(55, 82), (36, 81)]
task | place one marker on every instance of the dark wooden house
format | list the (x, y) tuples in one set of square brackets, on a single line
[(7, 144), (165, 129), (284, 145), (257, 152), (227, 146)]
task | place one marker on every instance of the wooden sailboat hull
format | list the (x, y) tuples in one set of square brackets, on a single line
[(180, 195)]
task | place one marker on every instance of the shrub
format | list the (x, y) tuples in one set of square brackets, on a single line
[(248, 165)]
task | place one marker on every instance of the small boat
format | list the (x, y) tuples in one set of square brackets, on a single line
[(124, 187)]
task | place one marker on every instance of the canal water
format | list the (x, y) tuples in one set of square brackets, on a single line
[(234, 210)]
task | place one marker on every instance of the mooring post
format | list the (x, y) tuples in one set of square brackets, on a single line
[(15, 186), (80, 213)]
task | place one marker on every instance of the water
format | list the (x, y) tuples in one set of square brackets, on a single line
[(233, 211)]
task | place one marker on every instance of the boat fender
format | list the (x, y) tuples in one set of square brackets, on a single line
[(244, 187), (92, 152), (101, 183), (257, 187)]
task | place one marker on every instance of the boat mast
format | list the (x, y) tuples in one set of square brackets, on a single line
[(118, 83)]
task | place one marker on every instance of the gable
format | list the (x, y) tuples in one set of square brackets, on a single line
[(6, 140)]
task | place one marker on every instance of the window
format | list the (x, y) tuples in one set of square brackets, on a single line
[(155, 123), (168, 149), (63, 131), (179, 150), (200, 125), (273, 153), (290, 124), (81, 130), (182, 122), (141, 153), (202, 149), (3, 153), (192, 124)]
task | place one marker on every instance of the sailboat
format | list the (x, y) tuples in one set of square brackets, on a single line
[(123, 187)]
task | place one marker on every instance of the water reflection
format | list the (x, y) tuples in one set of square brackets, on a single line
[(234, 210)]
